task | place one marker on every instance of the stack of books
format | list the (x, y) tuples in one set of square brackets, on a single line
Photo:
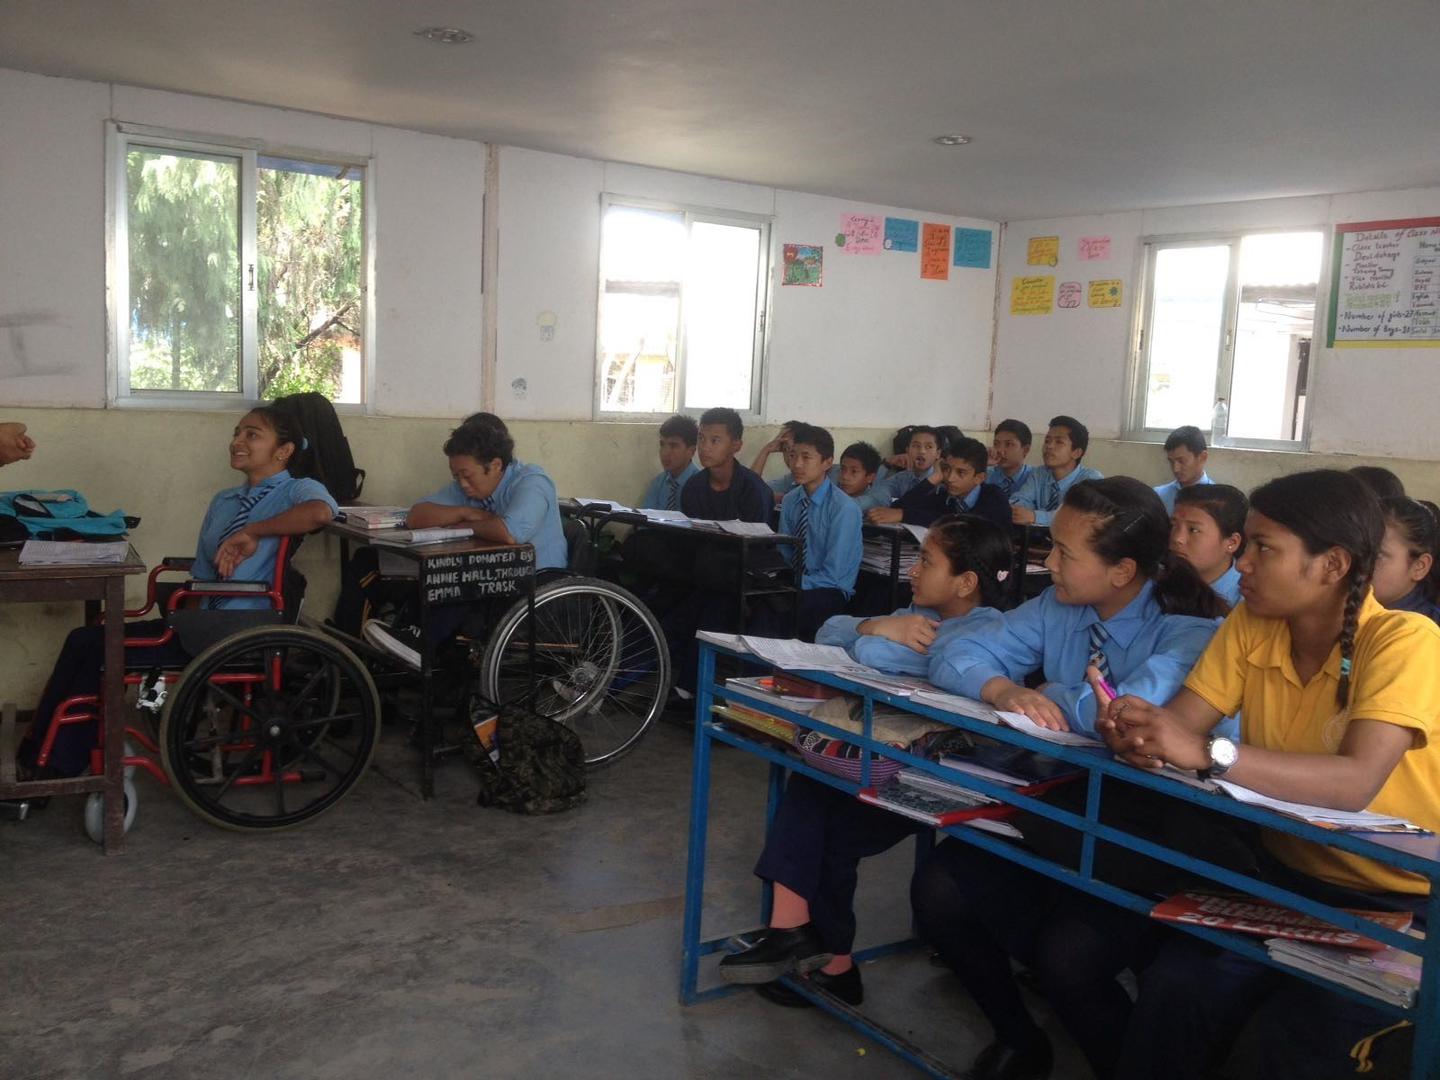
[(375, 517), (1248, 915), (927, 798), (1388, 974)]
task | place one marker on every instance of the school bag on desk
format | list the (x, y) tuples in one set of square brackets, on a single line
[(60, 515)]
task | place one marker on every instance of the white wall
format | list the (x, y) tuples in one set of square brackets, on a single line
[(428, 197), (874, 346), (1376, 402)]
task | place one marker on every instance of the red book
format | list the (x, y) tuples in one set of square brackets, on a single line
[(1247, 915)]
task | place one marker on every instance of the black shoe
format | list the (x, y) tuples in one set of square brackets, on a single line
[(775, 953), (846, 986), (1000, 1062)]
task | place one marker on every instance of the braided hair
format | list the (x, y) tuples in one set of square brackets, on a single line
[(1133, 524), (1418, 523), (1328, 509), (978, 546)]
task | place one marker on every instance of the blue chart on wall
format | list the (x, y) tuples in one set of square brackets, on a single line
[(972, 248), (902, 234)]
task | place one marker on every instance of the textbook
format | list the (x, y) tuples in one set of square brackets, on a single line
[(72, 553), (1247, 915), (773, 727), (1006, 764), (375, 517), (939, 810), (1389, 974), (417, 537)]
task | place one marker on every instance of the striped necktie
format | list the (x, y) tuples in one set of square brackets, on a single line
[(487, 504), (955, 504), (248, 502), (802, 529), (1098, 636), (672, 494), (1053, 501)]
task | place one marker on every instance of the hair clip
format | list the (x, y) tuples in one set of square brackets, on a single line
[(304, 443), (1001, 575), (1345, 666)]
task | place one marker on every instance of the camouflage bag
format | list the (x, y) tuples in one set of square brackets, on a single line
[(525, 763)]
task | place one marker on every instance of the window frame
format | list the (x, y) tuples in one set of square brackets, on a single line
[(119, 137), (1141, 335), (760, 349)]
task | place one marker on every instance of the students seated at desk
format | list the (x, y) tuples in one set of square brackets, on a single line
[(238, 540), (1340, 700), (496, 496), (780, 444), (1406, 575), (724, 489), (678, 436), (962, 490), (921, 456), (820, 834), (1380, 480), (826, 527), (1207, 530), (860, 475), (1119, 601), (1040, 496), (1187, 454), (1008, 450)]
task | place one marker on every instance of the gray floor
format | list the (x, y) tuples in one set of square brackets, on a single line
[(395, 938)]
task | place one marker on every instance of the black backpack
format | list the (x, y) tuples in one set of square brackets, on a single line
[(534, 766), (330, 459)]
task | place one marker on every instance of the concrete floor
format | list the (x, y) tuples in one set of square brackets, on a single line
[(396, 938)]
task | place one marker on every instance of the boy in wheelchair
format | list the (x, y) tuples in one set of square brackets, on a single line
[(238, 541)]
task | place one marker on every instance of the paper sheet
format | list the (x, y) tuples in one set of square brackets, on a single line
[(1320, 815), (72, 553), (788, 653)]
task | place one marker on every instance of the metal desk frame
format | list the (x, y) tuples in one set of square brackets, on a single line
[(1420, 855)]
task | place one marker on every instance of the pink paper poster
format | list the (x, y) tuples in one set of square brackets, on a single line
[(860, 234), (1093, 248)]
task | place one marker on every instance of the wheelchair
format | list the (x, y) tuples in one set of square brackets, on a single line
[(267, 725)]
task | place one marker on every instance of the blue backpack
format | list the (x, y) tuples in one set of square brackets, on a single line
[(61, 515)]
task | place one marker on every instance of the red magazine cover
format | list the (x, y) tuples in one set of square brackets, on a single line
[(1247, 915)]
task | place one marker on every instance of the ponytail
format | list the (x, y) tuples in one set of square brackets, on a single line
[(287, 428), (977, 546), (1418, 522)]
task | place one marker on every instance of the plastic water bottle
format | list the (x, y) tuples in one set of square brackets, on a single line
[(1220, 419)]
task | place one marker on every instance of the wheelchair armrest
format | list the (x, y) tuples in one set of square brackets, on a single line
[(226, 588), (177, 562), (170, 564)]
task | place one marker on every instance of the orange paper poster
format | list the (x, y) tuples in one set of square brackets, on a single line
[(935, 252), (1105, 293), (1042, 251), (1032, 295)]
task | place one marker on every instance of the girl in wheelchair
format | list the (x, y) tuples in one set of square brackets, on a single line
[(238, 541)]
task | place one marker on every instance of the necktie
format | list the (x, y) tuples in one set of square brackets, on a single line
[(955, 504), (1052, 502), (802, 527), (1098, 636), (672, 494), (248, 502), (487, 504)]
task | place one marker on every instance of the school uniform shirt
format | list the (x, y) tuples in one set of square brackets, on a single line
[(277, 493), (1395, 679), (1227, 586), (886, 655), (832, 537), (1149, 653), (1008, 485), (525, 501), (899, 483), (1167, 492), (1416, 600), (657, 495), (746, 499), (923, 503), (1042, 493)]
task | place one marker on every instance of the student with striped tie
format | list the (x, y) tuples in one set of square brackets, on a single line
[(678, 437), (1036, 500), (1122, 601), (238, 539), (826, 527)]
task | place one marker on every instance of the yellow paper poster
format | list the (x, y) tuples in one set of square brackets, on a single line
[(1032, 295), (1106, 293), (1043, 251)]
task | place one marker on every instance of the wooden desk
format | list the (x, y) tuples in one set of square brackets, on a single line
[(102, 588)]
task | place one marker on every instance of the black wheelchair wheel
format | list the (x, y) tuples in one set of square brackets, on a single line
[(273, 753), (601, 666)]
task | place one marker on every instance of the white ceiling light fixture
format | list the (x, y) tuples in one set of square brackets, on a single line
[(951, 140), (445, 35)]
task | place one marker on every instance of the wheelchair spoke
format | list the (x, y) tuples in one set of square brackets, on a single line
[(279, 786), (235, 703), (315, 756), (321, 721), (239, 770)]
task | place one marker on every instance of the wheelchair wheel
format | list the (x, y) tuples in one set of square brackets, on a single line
[(269, 728), (95, 811), (601, 665)]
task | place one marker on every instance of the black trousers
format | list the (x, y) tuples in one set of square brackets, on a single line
[(818, 838)]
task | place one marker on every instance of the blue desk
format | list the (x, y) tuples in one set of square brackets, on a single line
[(1421, 855)]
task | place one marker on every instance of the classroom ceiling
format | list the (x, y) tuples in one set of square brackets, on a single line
[(1073, 106)]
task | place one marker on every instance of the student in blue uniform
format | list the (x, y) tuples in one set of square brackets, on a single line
[(1406, 575), (921, 456), (962, 490), (859, 474), (678, 436), (724, 489), (780, 444), (1207, 530), (826, 527), (1122, 602), (238, 540), (1065, 444), (498, 498), (1187, 454), (1008, 449), (820, 834)]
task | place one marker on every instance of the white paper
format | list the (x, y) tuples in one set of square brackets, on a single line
[(789, 653), (72, 553), (899, 685), (420, 537), (1021, 722), (919, 532), (746, 528), (939, 699), (666, 517), (1358, 819), (714, 637)]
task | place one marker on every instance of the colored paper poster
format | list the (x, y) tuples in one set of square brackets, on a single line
[(972, 248), (902, 234), (804, 264), (859, 234), (1032, 295), (1105, 293), (935, 252), (1070, 293), (1043, 251), (1093, 248)]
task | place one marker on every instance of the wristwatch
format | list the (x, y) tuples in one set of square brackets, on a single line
[(1223, 754)]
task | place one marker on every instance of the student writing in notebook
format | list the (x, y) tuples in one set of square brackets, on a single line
[(1339, 700)]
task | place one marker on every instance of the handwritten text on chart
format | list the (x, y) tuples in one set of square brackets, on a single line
[(1094, 248), (1032, 295), (902, 234), (935, 252), (1042, 251), (972, 248), (1070, 293), (1105, 293), (859, 234), (1389, 284)]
